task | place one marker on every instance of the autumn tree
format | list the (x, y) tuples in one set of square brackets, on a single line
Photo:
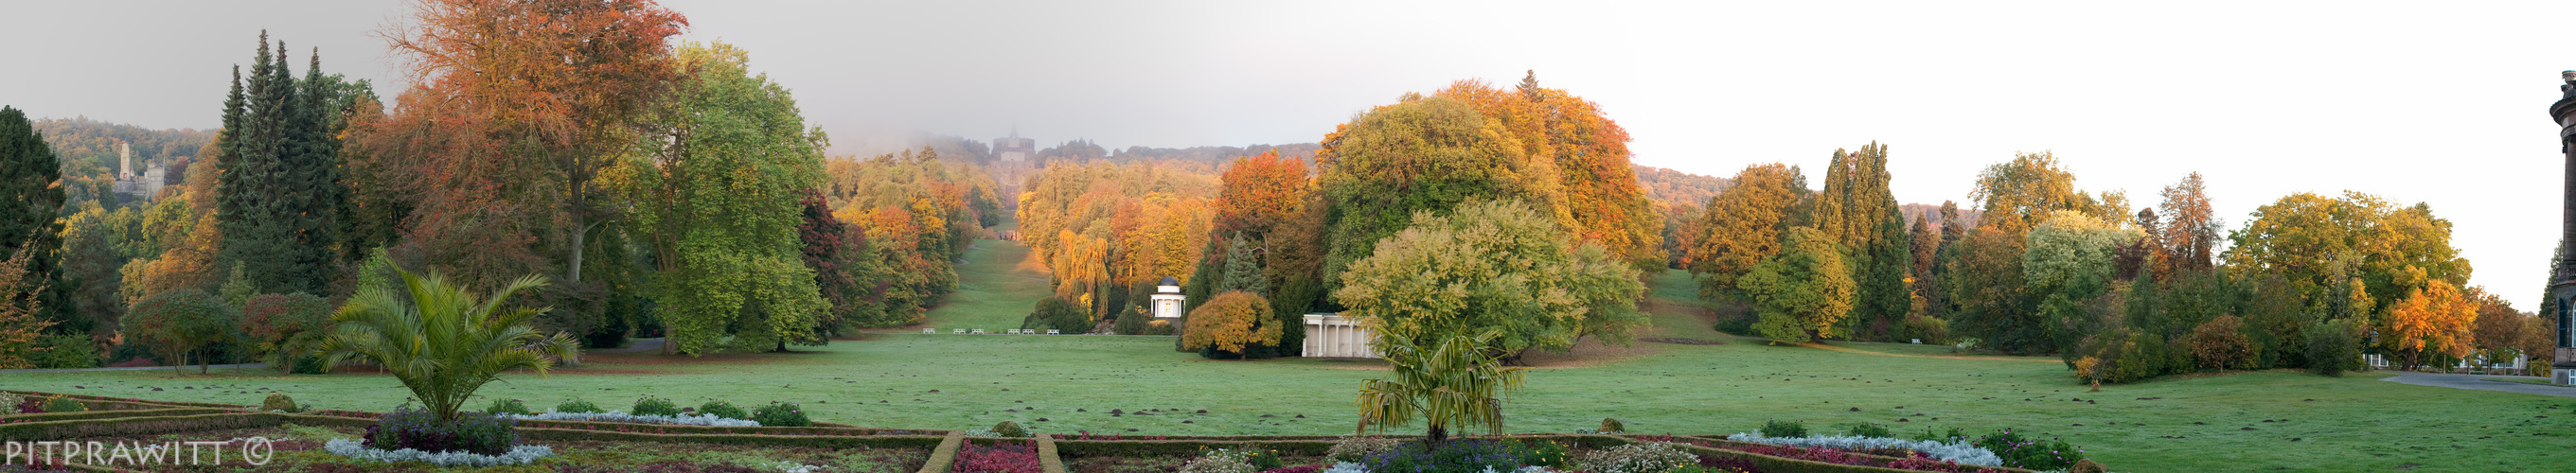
[(1802, 294), (2067, 262), (1990, 295), (1261, 192), (2321, 241), (1423, 154), (1598, 196), (1233, 322), (30, 199), (21, 320), (838, 256), (2190, 227), (2500, 330), (1492, 265), (555, 85), (719, 193), (2434, 318), (2016, 195), (1745, 226), (285, 329)]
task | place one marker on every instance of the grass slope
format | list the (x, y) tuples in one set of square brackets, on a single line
[(996, 288), (2353, 423)]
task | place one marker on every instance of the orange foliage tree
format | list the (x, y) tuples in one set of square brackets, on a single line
[(1586, 153), (1260, 192), (21, 320), (1230, 322), (550, 87), (2434, 318)]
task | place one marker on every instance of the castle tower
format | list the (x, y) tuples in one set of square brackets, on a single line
[(2563, 290), (124, 161)]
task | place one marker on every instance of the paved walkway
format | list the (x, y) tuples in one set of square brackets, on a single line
[(2478, 382)]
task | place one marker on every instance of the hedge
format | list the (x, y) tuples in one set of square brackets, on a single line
[(944, 456), (824, 441), (1048, 462), (106, 414), (133, 401), (65, 429), (1175, 448)]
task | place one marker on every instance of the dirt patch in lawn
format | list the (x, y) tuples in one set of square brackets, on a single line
[(1682, 341)]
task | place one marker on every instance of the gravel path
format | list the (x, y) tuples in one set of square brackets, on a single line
[(2476, 381)]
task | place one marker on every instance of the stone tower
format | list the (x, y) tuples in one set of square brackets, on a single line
[(2563, 290)]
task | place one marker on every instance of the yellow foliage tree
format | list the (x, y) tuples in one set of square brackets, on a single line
[(2435, 318), (1231, 322)]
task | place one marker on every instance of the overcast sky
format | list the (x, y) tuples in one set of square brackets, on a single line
[(2436, 102)]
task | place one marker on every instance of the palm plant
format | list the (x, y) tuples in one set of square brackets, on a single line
[(442, 342), (1454, 381)]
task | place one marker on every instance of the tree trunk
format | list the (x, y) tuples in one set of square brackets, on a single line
[(1439, 435), (572, 274)]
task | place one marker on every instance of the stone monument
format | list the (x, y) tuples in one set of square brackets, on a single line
[(2562, 291)]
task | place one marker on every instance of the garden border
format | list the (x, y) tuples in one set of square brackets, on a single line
[(944, 456)]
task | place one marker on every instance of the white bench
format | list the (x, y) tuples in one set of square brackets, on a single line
[(958, 331), (1054, 332), (978, 332), (930, 330)]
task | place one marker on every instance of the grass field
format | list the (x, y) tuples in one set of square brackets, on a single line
[(2273, 420)]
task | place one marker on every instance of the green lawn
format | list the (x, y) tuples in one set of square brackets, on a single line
[(2354, 423), (993, 290)]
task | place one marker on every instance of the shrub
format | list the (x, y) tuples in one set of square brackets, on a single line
[(64, 404), (66, 351), (1541, 453), (781, 414), (2333, 348), (997, 459), (723, 409), (1773, 428), (2020, 452), (1353, 448), (471, 432), (2220, 343), (1158, 327), (1612, 426), (1635, 458), (1871, 430), (1230, 323), (2086, 466), (578, 406), (1224, 460), (1058, 314), (507, 406), (284, 328), (1010, 429), (2125, 354), (27, 405), (279, 402), (1132, 322), (1454, 456), (1931, 330), (654, 406)]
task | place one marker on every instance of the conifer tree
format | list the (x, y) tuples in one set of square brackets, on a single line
[(1242, 269), (29, 200), (279, 192)]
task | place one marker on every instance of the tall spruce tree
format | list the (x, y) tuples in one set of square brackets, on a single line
[(30, 201), (1243, 270), (278, 195), (1859, 212)]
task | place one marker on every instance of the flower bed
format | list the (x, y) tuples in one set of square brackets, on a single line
[(997, 456), (1960, 451), (518, 455)]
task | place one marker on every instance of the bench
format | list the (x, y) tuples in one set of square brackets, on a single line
[(930, 330), (1054, 332)]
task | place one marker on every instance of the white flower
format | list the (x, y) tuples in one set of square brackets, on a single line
[(519, 455), (1960, 451)]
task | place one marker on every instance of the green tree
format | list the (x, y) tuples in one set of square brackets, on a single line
[(1497, 265), (181, 322), (1450, 381), (30, 198), (2019, 194), (1419, 155), (1243, 269), (441, 340), (1805, 292), (2318, 240), (719, 198), (279, 195), (97, 245), (1859, 212)]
